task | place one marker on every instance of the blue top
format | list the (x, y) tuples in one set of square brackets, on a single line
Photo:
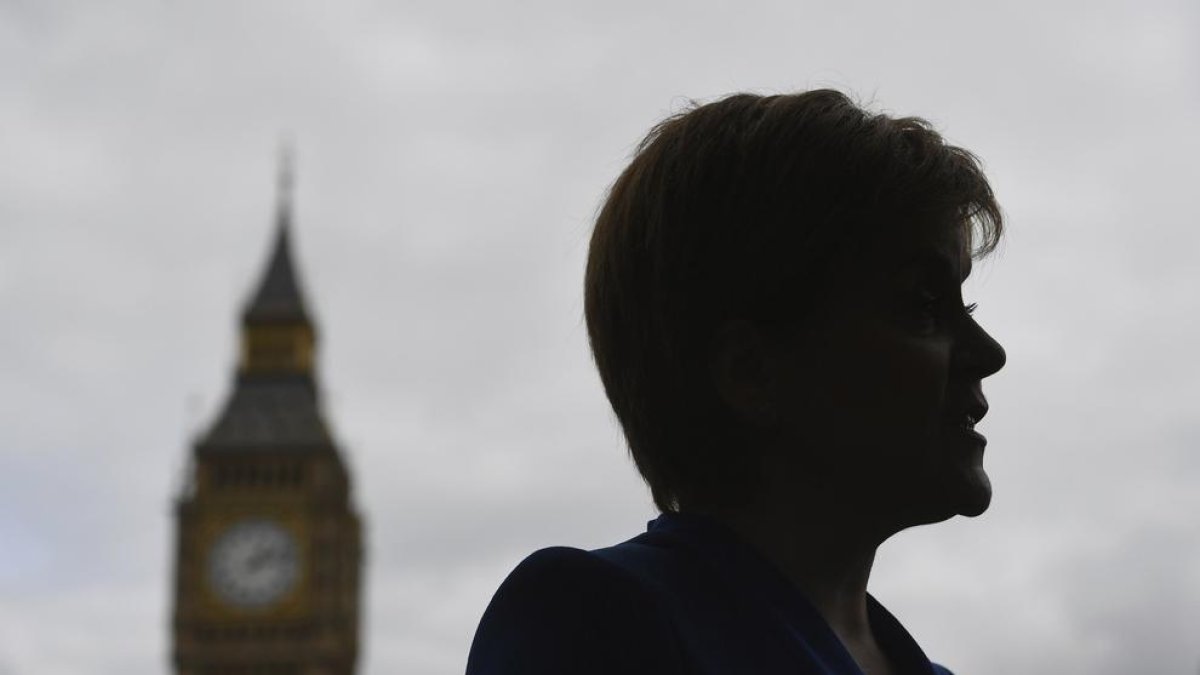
[(685, 597)]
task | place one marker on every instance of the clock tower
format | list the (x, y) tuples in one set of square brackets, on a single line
[(268, 549)]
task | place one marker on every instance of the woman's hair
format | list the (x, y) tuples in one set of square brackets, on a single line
[(737, 209)]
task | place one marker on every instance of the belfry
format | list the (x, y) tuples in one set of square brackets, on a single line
[(268, 552)]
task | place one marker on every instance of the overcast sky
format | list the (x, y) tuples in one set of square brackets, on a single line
[(451, 157)]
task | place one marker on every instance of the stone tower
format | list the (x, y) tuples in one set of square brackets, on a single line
[(268, 544)]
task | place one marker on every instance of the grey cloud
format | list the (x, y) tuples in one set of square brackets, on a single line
[(449, 167)]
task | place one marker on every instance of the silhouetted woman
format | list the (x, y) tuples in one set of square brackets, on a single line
[(773, 301)]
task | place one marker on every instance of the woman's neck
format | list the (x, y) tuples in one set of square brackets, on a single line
[(830, 567)]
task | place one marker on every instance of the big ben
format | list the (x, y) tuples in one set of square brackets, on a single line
[(269, 545)]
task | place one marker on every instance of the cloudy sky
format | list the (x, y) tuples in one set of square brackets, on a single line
[(451, 157)]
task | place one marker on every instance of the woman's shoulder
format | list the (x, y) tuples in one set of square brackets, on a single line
[(569, 610), (559, 564)]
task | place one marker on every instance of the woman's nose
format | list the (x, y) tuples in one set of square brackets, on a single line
[(980, 351)]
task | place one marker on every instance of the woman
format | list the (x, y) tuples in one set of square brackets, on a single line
[(773, 301)]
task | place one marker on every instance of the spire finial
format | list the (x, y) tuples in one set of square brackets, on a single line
[(286, 180), (278, 295)]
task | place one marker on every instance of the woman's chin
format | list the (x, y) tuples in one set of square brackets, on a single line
[(971, 492)]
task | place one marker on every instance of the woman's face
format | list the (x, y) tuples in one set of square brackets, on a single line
[(878, 400)]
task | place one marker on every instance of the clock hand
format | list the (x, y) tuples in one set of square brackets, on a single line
[(259, 558), (264, 556)]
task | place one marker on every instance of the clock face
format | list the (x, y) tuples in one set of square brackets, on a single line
[(253, 563)]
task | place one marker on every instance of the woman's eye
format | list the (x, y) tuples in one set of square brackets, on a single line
[(932, 309), (929, 303), (927, 309)]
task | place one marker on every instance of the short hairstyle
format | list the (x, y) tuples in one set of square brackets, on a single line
[(736, 209)]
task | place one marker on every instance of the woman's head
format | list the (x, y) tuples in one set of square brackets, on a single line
[(764, 224)]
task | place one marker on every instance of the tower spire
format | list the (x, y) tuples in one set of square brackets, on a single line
[(274, 400), (278, 297)]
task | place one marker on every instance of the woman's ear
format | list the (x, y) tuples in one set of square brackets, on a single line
[(742, 367)]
